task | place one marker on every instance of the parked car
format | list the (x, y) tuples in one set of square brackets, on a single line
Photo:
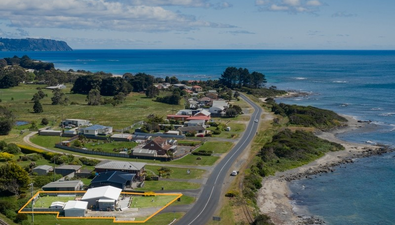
[(256, 121), (234, 173)]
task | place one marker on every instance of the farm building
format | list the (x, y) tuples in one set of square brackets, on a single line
[(67, 169), (75, 208), (102, 198)]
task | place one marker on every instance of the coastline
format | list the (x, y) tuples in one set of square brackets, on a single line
[(273, 198)]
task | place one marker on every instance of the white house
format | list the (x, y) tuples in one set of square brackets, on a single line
[(96, 130), (218, 107), (102, 198), (76, 122)]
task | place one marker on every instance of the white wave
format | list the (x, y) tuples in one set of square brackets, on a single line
[(113, 60), (345, 104), (371, 142), (340, 81), (376, 109), (387, 114), (300, 78)]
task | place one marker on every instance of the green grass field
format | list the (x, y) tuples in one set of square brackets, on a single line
[(216, 146), (46, 201), (135, 108), (193, 160), (151, 201), (167, 185), (179, 173)]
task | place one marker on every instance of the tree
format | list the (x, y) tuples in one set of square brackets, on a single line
[(3, 63), (12, 178), (58, 98), (44, 121), (12, 149), (6, 121), (37, 107), (152, 91), (94, 97), (258, 79)]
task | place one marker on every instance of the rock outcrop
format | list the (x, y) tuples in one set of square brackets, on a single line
[(31, 44)]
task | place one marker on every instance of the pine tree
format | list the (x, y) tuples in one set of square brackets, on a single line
[(37, 107)]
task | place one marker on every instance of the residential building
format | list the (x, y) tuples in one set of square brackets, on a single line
[(64, 185), (116, 179), (197, 88), (193, 129), (96, 130), (75, 122), (67, 169), (125, 166), (161, 145)]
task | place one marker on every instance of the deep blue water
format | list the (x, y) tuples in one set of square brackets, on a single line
[(357, 83)]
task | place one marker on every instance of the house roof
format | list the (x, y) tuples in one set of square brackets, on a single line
[(68, 167), (43, 167), (113, 177), (205, 99), (196, 121), (161, 142), (205, 118), (76, 205), (220, 103), (192, 128), (108, 192), (64, 184), (120, 165), (95, 127), (204, 112), (196, 86), (178, 116)]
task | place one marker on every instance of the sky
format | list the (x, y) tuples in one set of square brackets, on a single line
[(203, 24)]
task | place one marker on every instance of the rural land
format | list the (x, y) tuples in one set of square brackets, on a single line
[(82, 147)]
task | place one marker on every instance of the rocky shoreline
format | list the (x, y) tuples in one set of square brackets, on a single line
[(328, 168), (273, 198)]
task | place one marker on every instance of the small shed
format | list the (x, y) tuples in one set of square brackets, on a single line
[(57, 205), (75, 208), (43, 169)]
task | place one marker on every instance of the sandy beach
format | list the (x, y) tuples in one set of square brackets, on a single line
[(273, 198)]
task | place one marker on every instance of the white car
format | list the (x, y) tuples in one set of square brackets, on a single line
[(256, 120), (234, 173)]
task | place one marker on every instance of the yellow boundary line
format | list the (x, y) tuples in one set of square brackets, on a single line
[(178, 195)]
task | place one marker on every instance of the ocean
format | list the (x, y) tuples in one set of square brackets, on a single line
[(357, 83)]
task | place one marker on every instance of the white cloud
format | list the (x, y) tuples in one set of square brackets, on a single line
[(290, 6), (101, 14), (314, 3), (343, 14), (223, 5)]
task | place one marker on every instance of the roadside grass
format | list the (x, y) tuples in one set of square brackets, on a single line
[(216, 146), (235, 130), (162, 218), (136, 105), (184, 200), (226, 214), (51, 219), (179, 173), (150, 201), (167, 185), (193, 160)]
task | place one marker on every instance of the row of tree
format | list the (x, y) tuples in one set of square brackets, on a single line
[(241, 77)]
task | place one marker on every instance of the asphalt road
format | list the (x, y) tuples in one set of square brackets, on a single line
[(203, 210)]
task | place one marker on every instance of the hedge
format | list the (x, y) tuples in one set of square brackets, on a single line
[(28, 149)]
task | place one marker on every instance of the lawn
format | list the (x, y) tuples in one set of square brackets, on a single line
[(109, 147), (47, 141), (167, 185), (151, 201), (136, 105), (193, 160), (216, 146), (45, 201), (179, 173)]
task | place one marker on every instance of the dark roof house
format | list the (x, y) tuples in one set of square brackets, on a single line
[(64, 185), (113, 178), (160, 145), (125, 166)]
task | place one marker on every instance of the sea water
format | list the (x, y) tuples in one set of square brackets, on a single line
[(357, 83)]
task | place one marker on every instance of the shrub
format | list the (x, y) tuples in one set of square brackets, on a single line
[(12, 149), (44, 121), (232, 194), (202, 152)]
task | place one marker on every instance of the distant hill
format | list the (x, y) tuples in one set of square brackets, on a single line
[(32, 44)]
